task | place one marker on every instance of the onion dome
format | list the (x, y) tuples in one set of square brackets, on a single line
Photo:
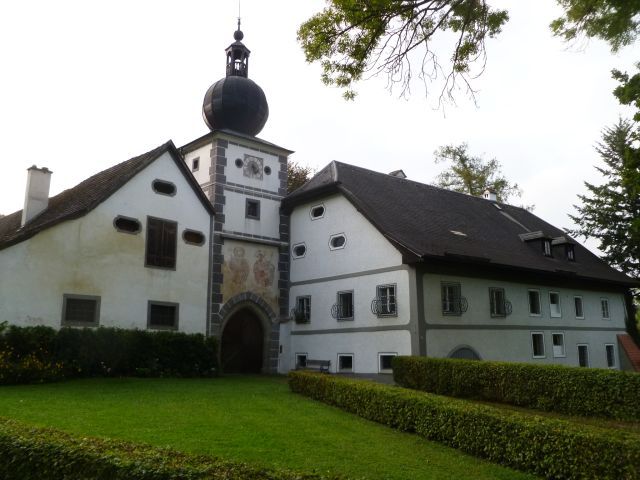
[(236, 102)]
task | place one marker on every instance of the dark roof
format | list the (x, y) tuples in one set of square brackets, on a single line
[(420, 220), (87, 195)]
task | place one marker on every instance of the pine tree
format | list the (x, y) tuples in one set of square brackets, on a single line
[(610, 212)]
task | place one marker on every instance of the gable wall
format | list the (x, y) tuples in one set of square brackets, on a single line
[(88, 256), (366, 261)]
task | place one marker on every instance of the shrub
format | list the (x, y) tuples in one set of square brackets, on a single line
[(40, 354), (569, 390), (547, 447), (28, 453)]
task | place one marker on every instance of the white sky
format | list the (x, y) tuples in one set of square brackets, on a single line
[(86, 85)]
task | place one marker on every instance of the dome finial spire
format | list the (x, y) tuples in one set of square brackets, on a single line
[(236, 102)]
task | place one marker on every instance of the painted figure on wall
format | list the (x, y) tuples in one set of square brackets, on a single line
[(263, 270), (239, 268), (250, 268)]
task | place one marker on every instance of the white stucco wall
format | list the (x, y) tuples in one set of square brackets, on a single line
[(88, 256), (235, 174), (366, 261), (509, 338), (324, 295), (365, 248), (204, 154), (235, 215), (364, 346)]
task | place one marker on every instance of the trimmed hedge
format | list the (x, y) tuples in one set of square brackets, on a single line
[(569, 390), (42, 354), (547, 447), (29, 453)]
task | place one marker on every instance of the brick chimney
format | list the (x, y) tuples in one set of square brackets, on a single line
[(36, 198)]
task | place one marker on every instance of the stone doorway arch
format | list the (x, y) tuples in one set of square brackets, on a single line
[(249, 336)]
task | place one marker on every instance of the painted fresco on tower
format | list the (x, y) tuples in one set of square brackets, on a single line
[(250, 267)]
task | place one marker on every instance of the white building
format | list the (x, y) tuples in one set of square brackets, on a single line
[(353, 268), (127, 248), (385, 266)]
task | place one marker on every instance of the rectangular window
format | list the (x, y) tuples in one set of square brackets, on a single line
[(162, 243), (604, 307), (546, 248), (583, 355), (451, 298), (611, 355), (537, 344), (497, 301), (303, 309), (162, 315), (80, 311), (577, 302), (195, 164), (534, 303), (386, 300), (344, 306), (301, 360), (252, 209), (554, 304), (558, 344), (345, 362), (385, 362)]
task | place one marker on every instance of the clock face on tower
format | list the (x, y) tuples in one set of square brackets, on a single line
[(252, 167)]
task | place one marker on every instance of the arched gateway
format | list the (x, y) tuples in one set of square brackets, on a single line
[(249, 336), (242, 343)]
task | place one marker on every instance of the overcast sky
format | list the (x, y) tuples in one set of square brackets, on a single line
[(86, 85)]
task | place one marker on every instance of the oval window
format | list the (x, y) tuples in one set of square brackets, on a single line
[(193, 237), (317, 212), (299, 250), (127, 225), (164, 188), (267, 170), (337, 241), (239, 162)]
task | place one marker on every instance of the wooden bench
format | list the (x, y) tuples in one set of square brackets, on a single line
[(320, 365)]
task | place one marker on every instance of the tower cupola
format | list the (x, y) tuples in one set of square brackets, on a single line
[(238, 56), (236, 102)]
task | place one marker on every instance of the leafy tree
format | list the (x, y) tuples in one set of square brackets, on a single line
[(351, 38), (628, 92), (615, 21), (610, 212), (298, 175), (473, 175)]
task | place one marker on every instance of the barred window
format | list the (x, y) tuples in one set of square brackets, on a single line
[(162, 315), (386, 299), (345, 305), (80, 310), (497, 301), (451, 299)]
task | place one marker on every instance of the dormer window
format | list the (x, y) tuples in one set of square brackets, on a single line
[(571, 252), (317, 212), (164, 188), (546, 247)]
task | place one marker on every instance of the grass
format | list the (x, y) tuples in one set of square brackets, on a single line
[(251, 419)]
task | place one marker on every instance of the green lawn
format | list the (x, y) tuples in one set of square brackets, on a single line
[(251, 419)]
